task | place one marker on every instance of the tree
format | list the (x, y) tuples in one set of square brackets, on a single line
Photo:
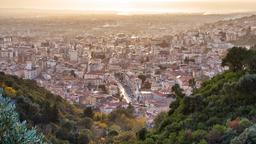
[(86, 123), (179, 98), (51, 113), (246, 87), (216, 134), (146, 85), (251, 64), (186, 60), (203, 142), (130, 110), (142, 77), (126, 136), (72, 73), (149, 141), (12, 131), (24, 106), (88, 112), (184, 137), (103, 88), (178, 91), (62, 133), (245, 123), (247, 137), (9, 91), (83, 139), (192, 83), (113, 133), (235, 58), (198, 135), (141, 134), (68, 125), (159, 119)]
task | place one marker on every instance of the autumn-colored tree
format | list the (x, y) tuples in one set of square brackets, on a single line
[(2, 85), (9, 91), (234, 124)]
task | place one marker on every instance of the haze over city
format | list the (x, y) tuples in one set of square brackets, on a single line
[(136, 6)]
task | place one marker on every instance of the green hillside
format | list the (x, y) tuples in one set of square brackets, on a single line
[(64, 123), (51, 114), (222, 111)]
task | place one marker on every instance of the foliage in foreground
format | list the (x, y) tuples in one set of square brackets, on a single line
[(222, 111), (12, 131), (58, 120)]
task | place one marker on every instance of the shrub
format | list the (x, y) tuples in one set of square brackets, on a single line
[(141, 134), (248, 136), (11, 130)]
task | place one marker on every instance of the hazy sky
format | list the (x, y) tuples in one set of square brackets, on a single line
[(136, 5)]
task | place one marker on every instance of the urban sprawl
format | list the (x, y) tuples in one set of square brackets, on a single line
[(118, 69)]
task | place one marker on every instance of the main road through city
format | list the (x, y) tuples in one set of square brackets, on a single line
[(124, 88)]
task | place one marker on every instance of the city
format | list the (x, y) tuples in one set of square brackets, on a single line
[(98, 70), (151, 64)]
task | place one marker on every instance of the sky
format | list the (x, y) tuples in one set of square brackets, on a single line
[(130, 6)]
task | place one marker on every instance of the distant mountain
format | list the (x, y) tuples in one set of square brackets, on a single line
[(26, 13)]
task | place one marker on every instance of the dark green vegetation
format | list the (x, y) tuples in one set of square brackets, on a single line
[(12, 130), (222, 111)]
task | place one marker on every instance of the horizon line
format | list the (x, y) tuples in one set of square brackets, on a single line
[(132, 11)]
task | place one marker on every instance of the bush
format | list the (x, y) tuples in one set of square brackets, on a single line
[(198, 135), (113, 133), (245, 123), (141, 134), (9, 91), (247, 84), (159, 119), (88, 112), (83, 139), (11, 130), (252, 64), (247, 137), (86, 123), (216, 134), (149, 141)]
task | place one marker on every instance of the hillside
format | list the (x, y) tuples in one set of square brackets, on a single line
[(40, 108), (222, 111), (64, 123)]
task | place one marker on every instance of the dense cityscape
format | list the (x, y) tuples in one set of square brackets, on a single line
[(119, 68)]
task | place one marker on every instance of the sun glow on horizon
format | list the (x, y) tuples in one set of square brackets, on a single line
[(127, 7)]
